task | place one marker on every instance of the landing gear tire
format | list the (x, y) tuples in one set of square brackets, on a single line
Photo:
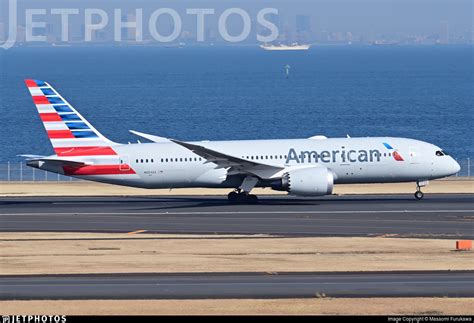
[(419, 195), (233, 196), (242, 198), (252, 198)]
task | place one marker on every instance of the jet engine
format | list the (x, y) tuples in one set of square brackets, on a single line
[(314, 181)]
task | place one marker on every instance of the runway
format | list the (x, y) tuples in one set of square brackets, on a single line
[(239, 285), (440, 216)]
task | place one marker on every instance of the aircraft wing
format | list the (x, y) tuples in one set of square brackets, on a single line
[(236, 165)]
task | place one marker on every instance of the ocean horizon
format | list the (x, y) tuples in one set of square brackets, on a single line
[(224, 93)]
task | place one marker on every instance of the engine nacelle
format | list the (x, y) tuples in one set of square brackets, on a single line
[(314, 181)]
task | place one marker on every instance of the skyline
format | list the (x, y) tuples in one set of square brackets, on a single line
[(381, 22)]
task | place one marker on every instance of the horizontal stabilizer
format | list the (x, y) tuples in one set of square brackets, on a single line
[(38, 163)]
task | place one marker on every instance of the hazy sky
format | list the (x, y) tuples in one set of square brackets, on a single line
[(389, 16)]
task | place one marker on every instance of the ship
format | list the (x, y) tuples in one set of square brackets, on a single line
[(294, 46)]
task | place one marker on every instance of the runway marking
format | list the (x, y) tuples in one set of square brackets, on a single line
[(135, 232), (245, 212)]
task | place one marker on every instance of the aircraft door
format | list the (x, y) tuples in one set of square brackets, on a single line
[(124, 163)]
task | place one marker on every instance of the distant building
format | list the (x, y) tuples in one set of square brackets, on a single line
[(303, 23), (303, 28)]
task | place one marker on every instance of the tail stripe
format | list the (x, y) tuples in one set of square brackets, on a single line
[(99, 170), (70, 117), (84, 134), (53, 134), (84, 151), (35, 91), (40, 100), (48, 91), (62, 108), (55, 126), (47, 117), (45, 108)]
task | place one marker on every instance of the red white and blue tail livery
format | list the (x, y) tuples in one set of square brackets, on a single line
[(78, 145)]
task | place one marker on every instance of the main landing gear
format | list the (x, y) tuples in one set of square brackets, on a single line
[(239, 196), (419, 184), (242, 194)]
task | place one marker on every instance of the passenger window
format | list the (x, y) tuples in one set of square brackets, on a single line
[(141, 160)]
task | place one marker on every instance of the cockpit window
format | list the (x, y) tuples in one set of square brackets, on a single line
[(441, 153)]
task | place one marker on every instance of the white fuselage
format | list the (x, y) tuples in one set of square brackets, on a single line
[(352, 160)]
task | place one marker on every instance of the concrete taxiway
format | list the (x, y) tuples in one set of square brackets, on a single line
[(239, 285), (437, 215)]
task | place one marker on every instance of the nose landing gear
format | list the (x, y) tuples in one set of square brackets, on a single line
[(419, 184)]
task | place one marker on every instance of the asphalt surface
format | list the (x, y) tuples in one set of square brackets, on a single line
[(239, 285), (440, 216)]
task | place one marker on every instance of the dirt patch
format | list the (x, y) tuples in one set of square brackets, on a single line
[(70, 253), (349, 306)]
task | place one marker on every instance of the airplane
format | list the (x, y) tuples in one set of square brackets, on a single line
[(301, 167)]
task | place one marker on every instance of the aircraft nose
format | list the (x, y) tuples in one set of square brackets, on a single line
[(456, 166), (452, 167)]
